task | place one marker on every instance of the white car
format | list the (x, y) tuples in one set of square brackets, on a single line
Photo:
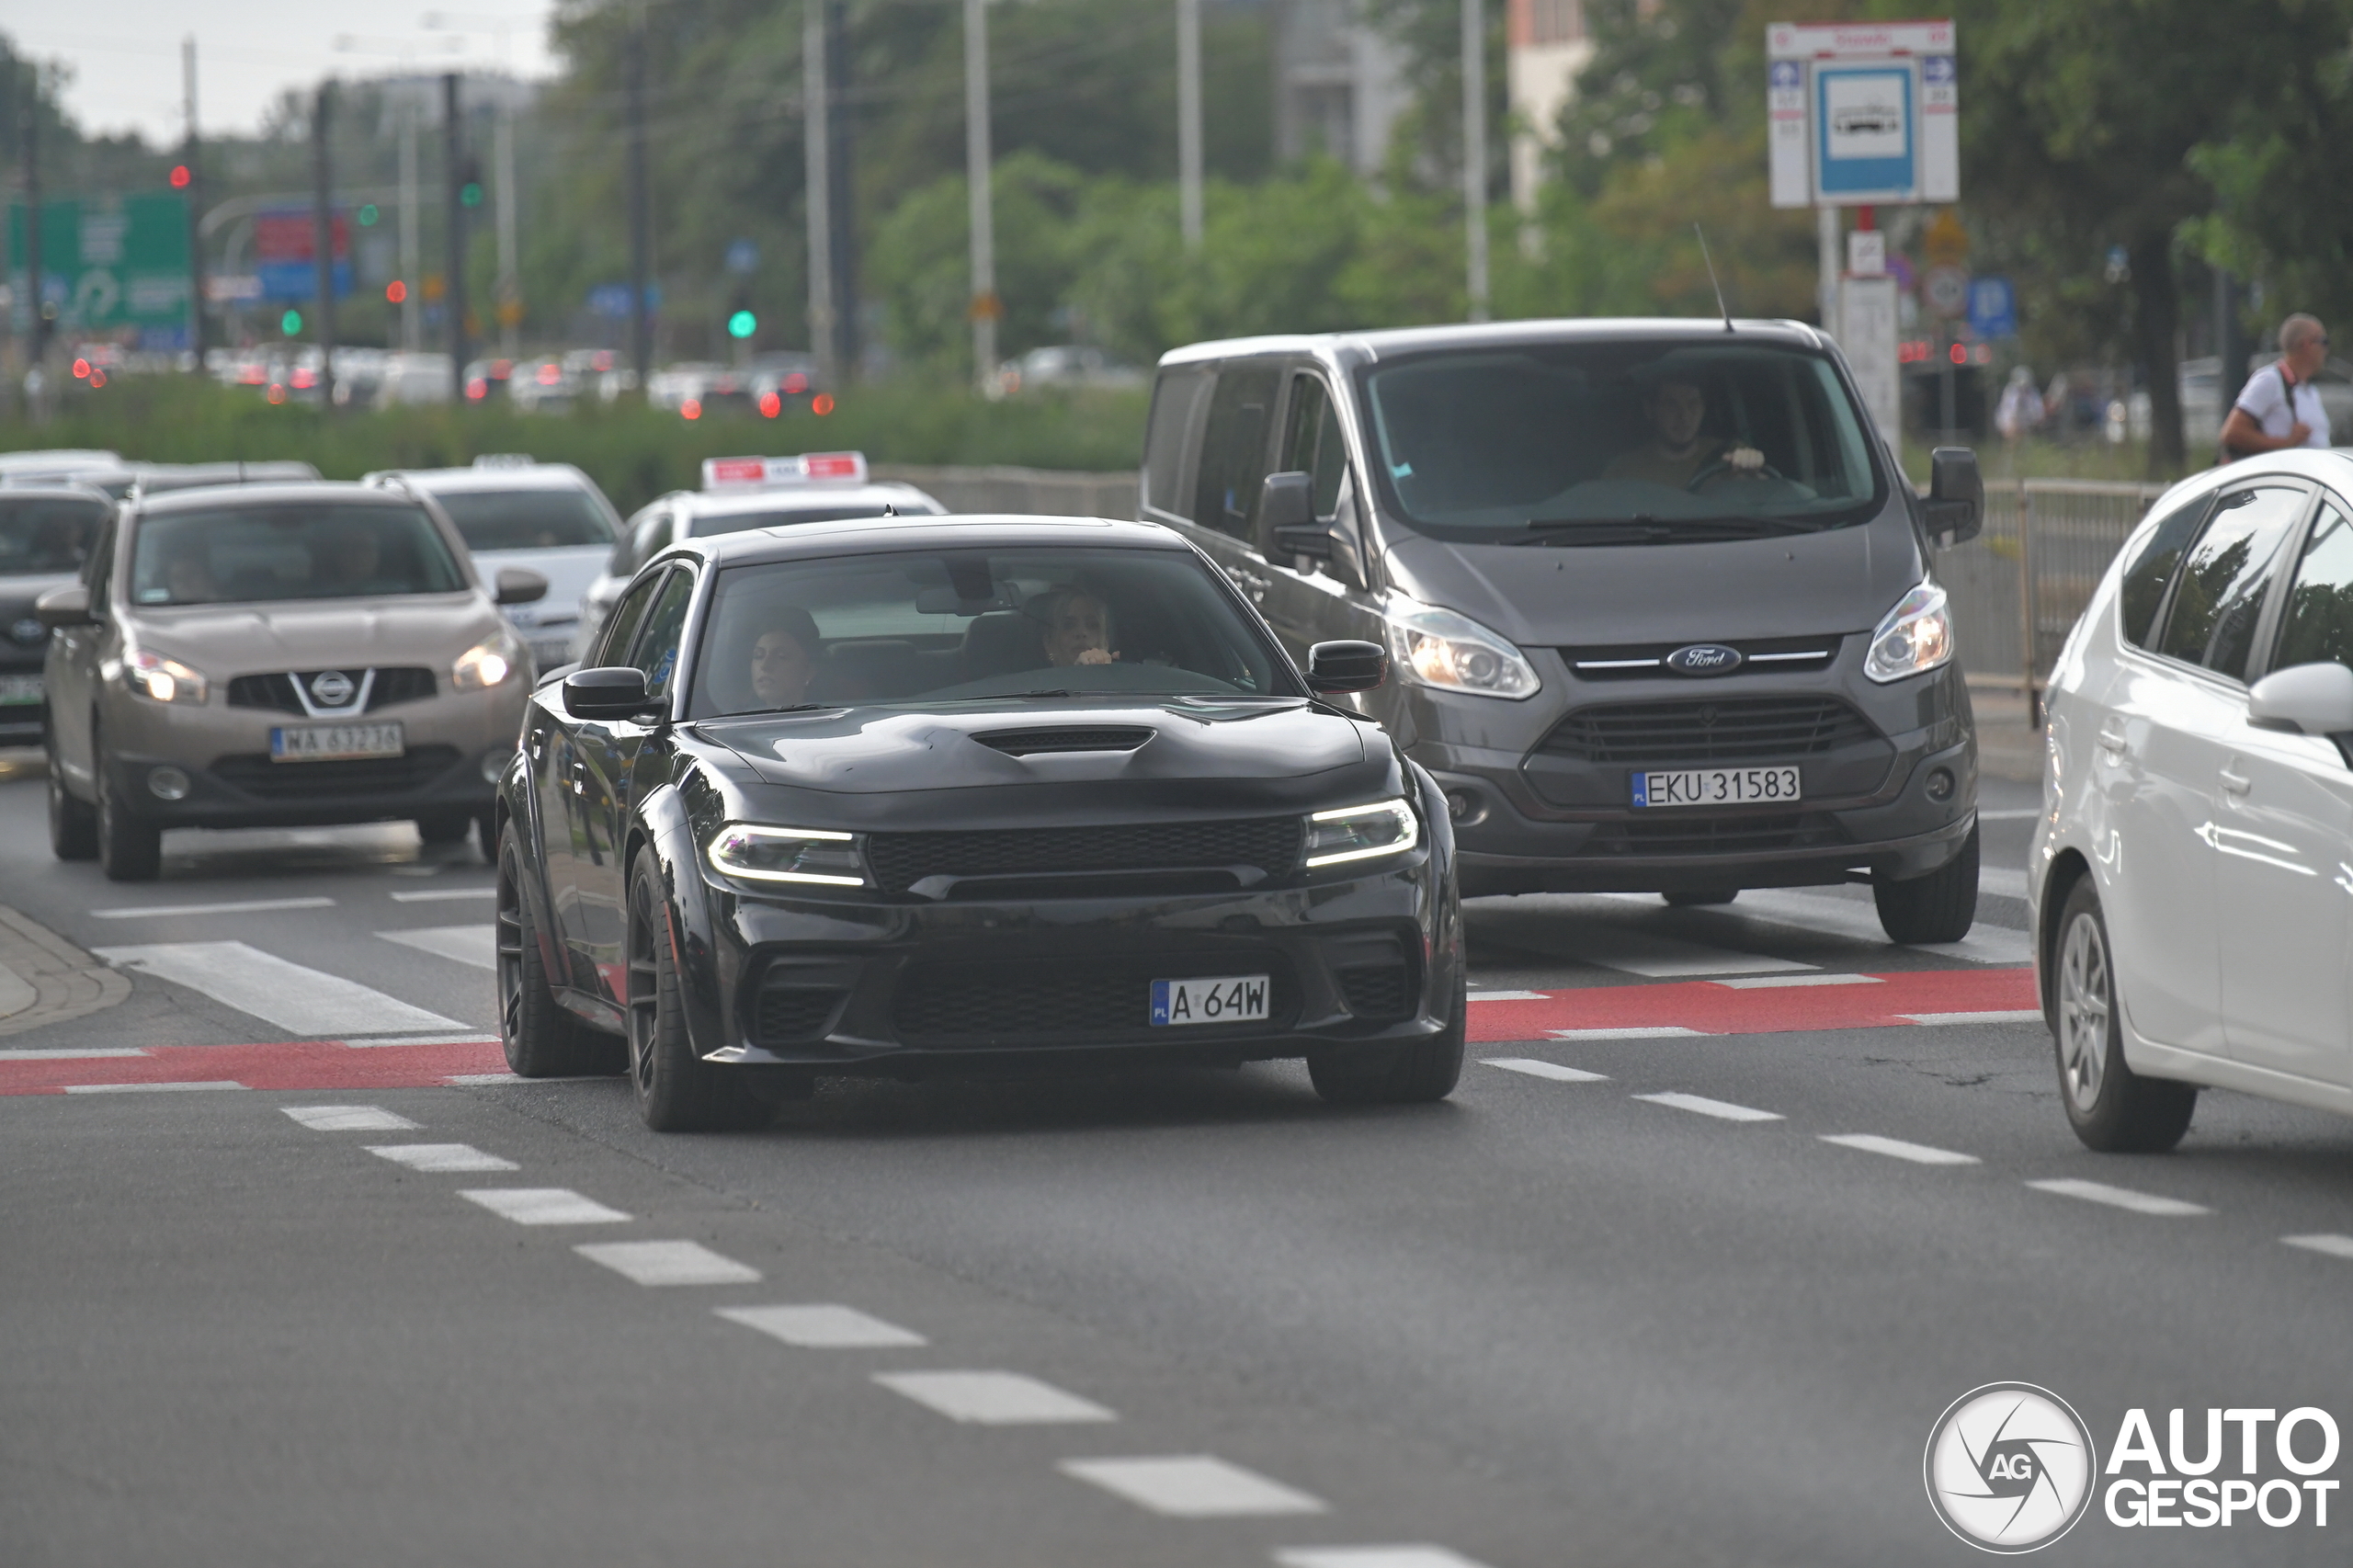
[(2190, 872)]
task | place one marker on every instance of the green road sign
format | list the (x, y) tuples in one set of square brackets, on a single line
[(110, 263)]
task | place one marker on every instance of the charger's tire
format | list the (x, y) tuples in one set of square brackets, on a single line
[(677, 1091), (1402, 1072), (541, 1039)]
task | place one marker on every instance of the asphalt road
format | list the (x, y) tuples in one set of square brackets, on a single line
[(1621, 1301)]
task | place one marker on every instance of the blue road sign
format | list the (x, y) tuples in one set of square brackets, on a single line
[(1937, 70), (1993, 307), (612, 300), (1864, 133), (1785, 75), (742, 256)]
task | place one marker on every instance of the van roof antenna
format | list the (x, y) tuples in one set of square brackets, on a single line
[(1711, 276)]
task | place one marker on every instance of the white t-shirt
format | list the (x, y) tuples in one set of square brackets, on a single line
[(2276, 406)]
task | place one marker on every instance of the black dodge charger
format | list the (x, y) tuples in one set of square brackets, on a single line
[(908, 797)]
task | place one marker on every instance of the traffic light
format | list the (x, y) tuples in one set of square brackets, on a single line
[(367, 215), (743, 323), (291, 322), (396, 292), (180, 177), (470, 183)]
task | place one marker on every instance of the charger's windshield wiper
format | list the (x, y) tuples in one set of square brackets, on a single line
[(1646, 528)]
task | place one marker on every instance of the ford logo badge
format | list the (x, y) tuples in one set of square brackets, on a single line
[(1704, 659)]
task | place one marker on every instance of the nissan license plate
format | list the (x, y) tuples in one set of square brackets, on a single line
[(17, 689), (1220, 999), (335, 743), (1716, 787)]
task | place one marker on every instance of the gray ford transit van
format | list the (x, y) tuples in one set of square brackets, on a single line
[(1663, 609)]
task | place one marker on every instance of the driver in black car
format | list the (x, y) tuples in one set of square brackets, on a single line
[(1677, 454), (1078, 630)]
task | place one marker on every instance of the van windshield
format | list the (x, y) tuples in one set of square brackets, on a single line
[(1622, 442)]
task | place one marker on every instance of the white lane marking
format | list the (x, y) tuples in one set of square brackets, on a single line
[(2118, 1197), (2001, 880), (476, 945), (1818, 913), (475, 1079), (993, 1399), (668, 1263), (348, 1118), (1665, 958), (441, 1157), (477, 1037), (543, 1205), (1416, 1556), (249, 906), (298, 1000), (1897, 1149), (1645, 1031), (1721, 1110), (1552, 1070), (823, 1326), (2008, 1015), (1192, 1486), (1774, 981), (17, 992), (148, 1088), (85, 1053), (1510, 996), (2328, 1242), (2012, 813), (435, 896)]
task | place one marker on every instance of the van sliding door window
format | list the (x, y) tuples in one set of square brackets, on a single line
[(1175, 410), (1234, 450)]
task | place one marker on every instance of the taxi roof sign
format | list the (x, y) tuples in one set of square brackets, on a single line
[(808, 468)]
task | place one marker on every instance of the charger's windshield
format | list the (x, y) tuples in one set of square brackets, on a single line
[(902, 628), (1674, 439)]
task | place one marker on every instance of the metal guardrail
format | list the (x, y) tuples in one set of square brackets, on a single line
[(2018, 589)]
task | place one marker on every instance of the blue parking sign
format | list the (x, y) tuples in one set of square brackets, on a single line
[(1993, 307)]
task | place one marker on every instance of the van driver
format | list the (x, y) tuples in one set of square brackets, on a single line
[(1676, 452)]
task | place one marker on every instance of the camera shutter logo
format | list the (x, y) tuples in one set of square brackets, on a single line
[(2010, 1467)]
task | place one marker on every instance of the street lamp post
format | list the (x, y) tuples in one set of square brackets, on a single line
[(985, 307)]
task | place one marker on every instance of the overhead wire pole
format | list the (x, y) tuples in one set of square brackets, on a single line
[(323, 237), (817, 154), (986, 307), (412, 260), (640, 320), (1475, 155), (453, 292), (1188, 121), (510, 286), (35, 307), (195, 210)]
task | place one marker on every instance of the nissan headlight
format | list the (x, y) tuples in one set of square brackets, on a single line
[(164, 680), (1361, 833), (486, 663), (787, 855), (1452, 651), (1915, 637)]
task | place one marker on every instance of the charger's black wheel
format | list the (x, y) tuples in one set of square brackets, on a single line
[(1400, 1073), (676, 1090), (542, 1040)]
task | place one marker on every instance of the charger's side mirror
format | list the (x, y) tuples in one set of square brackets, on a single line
[(1335, 669), (2311, 699), (67, 605), (1955, 504)]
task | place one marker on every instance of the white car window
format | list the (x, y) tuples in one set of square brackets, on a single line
[(2220, 596), (2318, 626)]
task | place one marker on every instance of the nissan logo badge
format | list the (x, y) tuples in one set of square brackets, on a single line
[(1704, 659), (333, 688)]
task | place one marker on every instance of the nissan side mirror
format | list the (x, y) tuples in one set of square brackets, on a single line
[(615, 691), (1955, 504), (2311, 699), (520, 586), (1336, 668), (67, 605)]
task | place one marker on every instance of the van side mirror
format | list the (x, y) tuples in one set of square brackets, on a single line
[(1287, 516), (2311, 699), (615, 691), (67, 605), (1334, 668), (520, 586), (1956, 504)]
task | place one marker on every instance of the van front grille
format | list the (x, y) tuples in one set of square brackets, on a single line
[(1730, 729)]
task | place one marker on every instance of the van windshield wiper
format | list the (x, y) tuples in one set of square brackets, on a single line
[(1647, 527)]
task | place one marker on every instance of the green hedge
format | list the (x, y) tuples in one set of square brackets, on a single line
[(635, 452)]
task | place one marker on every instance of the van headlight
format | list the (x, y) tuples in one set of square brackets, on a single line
[(486, 663), (164, 680), (1915, 637), (787, 855), (1361, 833), (1452, 651)]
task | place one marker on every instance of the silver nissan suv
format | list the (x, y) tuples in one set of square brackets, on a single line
[(251, 656)]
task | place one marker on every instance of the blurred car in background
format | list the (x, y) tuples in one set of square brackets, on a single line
[(542, 386), (749, 492), (116, 479), (1066, 365), (413, 378), (547, 518), (45, 533)]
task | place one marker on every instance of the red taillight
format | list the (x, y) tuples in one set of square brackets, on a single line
[(795, 383), (690, 409), (770, 404), (551, 374), (276, 394), (822, 405), (477, 388)]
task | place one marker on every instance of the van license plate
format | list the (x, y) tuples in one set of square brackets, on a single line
[(1221, 999), (335, 743), (14, 689), (1716, 787)]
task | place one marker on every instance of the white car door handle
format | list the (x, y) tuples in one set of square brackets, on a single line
[(2236, 783), (2111, 738)]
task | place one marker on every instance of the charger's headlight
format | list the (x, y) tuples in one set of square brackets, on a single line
[(1915, 637), (164, 680), (1361, 833), (787, 855), (486, 663), (1441, 648)]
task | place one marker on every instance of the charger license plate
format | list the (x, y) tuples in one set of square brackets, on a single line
[(335, 743), (1219, 999), (1716, 787)]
